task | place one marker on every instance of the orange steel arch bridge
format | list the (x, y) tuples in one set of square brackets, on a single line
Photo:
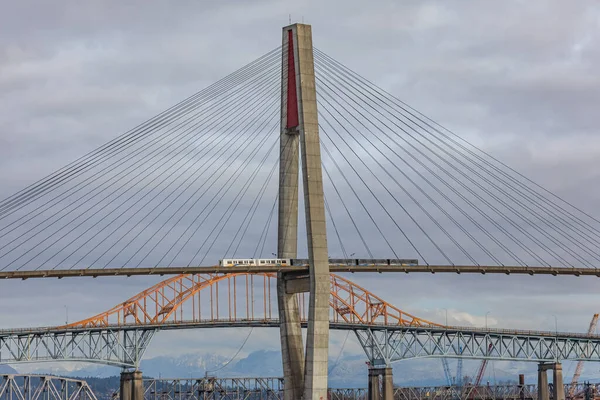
[(120, 336)]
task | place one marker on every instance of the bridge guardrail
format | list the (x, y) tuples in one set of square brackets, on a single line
[(524, 332)]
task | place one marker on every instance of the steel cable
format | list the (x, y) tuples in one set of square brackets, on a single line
[(507, 233), (132, 179), (504, 182), (186, 133), (329, 94), (215, 154), (85, 161), (487, 191)]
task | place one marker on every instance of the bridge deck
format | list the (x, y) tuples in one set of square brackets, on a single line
[(274, 323), (457, 269), (124, 345)]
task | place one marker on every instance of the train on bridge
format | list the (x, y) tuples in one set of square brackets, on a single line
[(284, 262)]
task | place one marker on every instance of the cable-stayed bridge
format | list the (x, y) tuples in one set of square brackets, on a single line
[(217, 176), (155, 195)]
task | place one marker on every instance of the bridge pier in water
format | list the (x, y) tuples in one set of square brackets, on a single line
[(381, 384), (557, 381), (131, 386)]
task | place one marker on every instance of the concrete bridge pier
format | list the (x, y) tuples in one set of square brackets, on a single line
[(558, 392), (132, 387), (521, 387), (557, 378), (381, 384)]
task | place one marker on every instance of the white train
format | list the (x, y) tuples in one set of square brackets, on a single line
[(254, 261), (230, 262)]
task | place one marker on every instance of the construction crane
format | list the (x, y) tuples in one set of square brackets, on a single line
[(459, 370), (579, 367), (447, 371), (482, 367)]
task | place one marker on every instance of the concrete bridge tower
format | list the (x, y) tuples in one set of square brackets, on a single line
[(305, 374)]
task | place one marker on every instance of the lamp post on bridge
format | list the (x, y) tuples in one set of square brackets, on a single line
[(555, 324), (446, 316), (486, 314), (556, 337)]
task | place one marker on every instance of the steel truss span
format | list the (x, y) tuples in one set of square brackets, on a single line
[(214, 388), (116, 347), (215, 269), (124, 346), (483, 392), (43, 387), (386, 345), (271, 388)]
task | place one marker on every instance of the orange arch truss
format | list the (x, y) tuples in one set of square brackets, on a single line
[(242, 297)]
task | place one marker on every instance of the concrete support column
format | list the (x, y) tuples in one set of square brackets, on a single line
[(317, 336), (132, 387), (125, 387), (521, 387), (292, 346), (299, 117), (374, 386), (381, 384), (388, 384), (557, 380), (543, 382)]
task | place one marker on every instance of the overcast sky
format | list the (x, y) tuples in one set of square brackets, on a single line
[(518, 78)]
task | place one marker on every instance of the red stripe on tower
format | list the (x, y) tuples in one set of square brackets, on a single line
[(292, 98)]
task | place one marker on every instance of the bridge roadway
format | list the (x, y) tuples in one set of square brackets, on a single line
[(124, 345), (457, 269)]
